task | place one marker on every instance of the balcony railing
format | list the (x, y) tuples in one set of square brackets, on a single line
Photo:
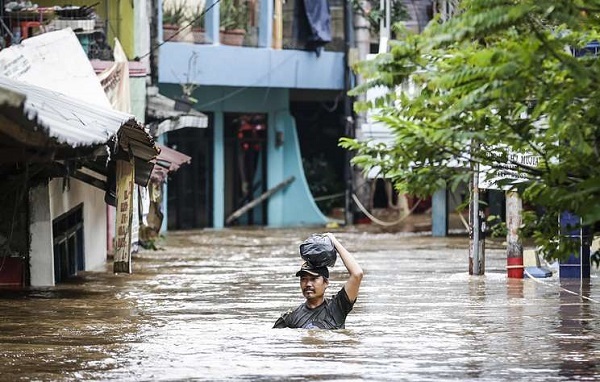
[(240, 23), (21, 23)]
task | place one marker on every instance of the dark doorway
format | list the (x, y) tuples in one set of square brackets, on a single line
[(68, 244), (189, 189), (245, 166), (320, 126)]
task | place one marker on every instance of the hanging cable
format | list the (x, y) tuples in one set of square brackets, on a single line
[(381, 222)]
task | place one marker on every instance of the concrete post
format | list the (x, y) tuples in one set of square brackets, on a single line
[(476, 228), (212, 21), (265, 32), (439, 213), (219, 171), (514, 248)]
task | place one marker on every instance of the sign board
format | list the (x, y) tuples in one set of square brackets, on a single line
[(115, 81), (125, 177), (506, 169)]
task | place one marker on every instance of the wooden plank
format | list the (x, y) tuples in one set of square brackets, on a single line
[(258, 200)]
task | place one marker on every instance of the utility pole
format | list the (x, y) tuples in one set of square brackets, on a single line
[(514, 248), (476, 227)]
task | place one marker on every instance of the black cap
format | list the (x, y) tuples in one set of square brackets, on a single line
[(312, 270)]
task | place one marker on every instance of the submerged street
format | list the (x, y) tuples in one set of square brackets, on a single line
[(202, 308)]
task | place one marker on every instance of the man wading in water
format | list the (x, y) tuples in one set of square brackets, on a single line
[(317, 312)]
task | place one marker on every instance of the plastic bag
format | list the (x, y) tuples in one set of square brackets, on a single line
[(318, 250)]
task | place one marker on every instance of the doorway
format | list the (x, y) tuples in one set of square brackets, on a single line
[(245, 166), (69, 256), (189, 189)]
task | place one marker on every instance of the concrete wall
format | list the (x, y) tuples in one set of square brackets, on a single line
[(137, 87), (295, 205), (94, 216), (222, 65)]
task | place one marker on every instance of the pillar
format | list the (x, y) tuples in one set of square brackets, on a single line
[(41, 263), (439, 213), (514, 247)]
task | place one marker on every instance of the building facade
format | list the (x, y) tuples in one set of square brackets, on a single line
[(261, 96)]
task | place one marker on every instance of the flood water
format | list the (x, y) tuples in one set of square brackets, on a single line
[(202, 309)]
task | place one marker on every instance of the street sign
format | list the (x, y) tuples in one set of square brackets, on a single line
[(506, 172)]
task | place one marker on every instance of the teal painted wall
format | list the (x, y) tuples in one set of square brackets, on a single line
[(137, 88), (295, 205), (292, 206)]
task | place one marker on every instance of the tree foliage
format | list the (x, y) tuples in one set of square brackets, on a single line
[(499, 78)]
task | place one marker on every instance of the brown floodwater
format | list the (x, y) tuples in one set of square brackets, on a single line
[(202, 309)]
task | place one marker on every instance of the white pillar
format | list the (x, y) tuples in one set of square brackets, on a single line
[(41, 262), (514, 247)]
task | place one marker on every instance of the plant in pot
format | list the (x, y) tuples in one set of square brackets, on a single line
[(183, 20), (186, 101), (198, 26), (234, 21), (173, 20)]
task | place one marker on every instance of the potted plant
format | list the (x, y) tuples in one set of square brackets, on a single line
[(173, 20), (186, 101), (234, 21), (182, 21), (198, 25)]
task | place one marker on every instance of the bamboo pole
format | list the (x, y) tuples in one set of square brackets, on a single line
[(278, 25), (260, 199)]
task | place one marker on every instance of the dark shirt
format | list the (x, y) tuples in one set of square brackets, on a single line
[(331, 314)]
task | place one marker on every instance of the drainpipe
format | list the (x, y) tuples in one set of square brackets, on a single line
[(155, 39), (349, 130)]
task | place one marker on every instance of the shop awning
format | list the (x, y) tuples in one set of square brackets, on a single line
[(167, 161), (57, 119), (48, 123), (164, 117)]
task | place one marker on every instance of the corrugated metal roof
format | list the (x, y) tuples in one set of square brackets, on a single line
[(167, 161), (163, 115), (68, 120)]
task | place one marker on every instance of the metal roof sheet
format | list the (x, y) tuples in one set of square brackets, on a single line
[(68, 120), (164, 116), (167, 161)]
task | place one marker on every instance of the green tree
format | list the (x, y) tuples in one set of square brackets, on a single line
[(499, 78)]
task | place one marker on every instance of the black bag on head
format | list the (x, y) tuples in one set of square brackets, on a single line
[(318, 250)]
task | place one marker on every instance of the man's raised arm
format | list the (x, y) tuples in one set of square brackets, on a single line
[(355, 271)]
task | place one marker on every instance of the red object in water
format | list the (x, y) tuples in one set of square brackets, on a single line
[(515, 267), (11, 271)]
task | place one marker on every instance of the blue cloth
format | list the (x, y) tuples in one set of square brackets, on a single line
[(312, 23)]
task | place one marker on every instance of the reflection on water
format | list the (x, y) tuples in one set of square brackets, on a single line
[(202, 309)]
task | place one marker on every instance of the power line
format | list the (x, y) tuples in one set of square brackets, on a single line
[(178, 31)]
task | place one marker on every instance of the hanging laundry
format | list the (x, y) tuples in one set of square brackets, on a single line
[(312, 24)]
